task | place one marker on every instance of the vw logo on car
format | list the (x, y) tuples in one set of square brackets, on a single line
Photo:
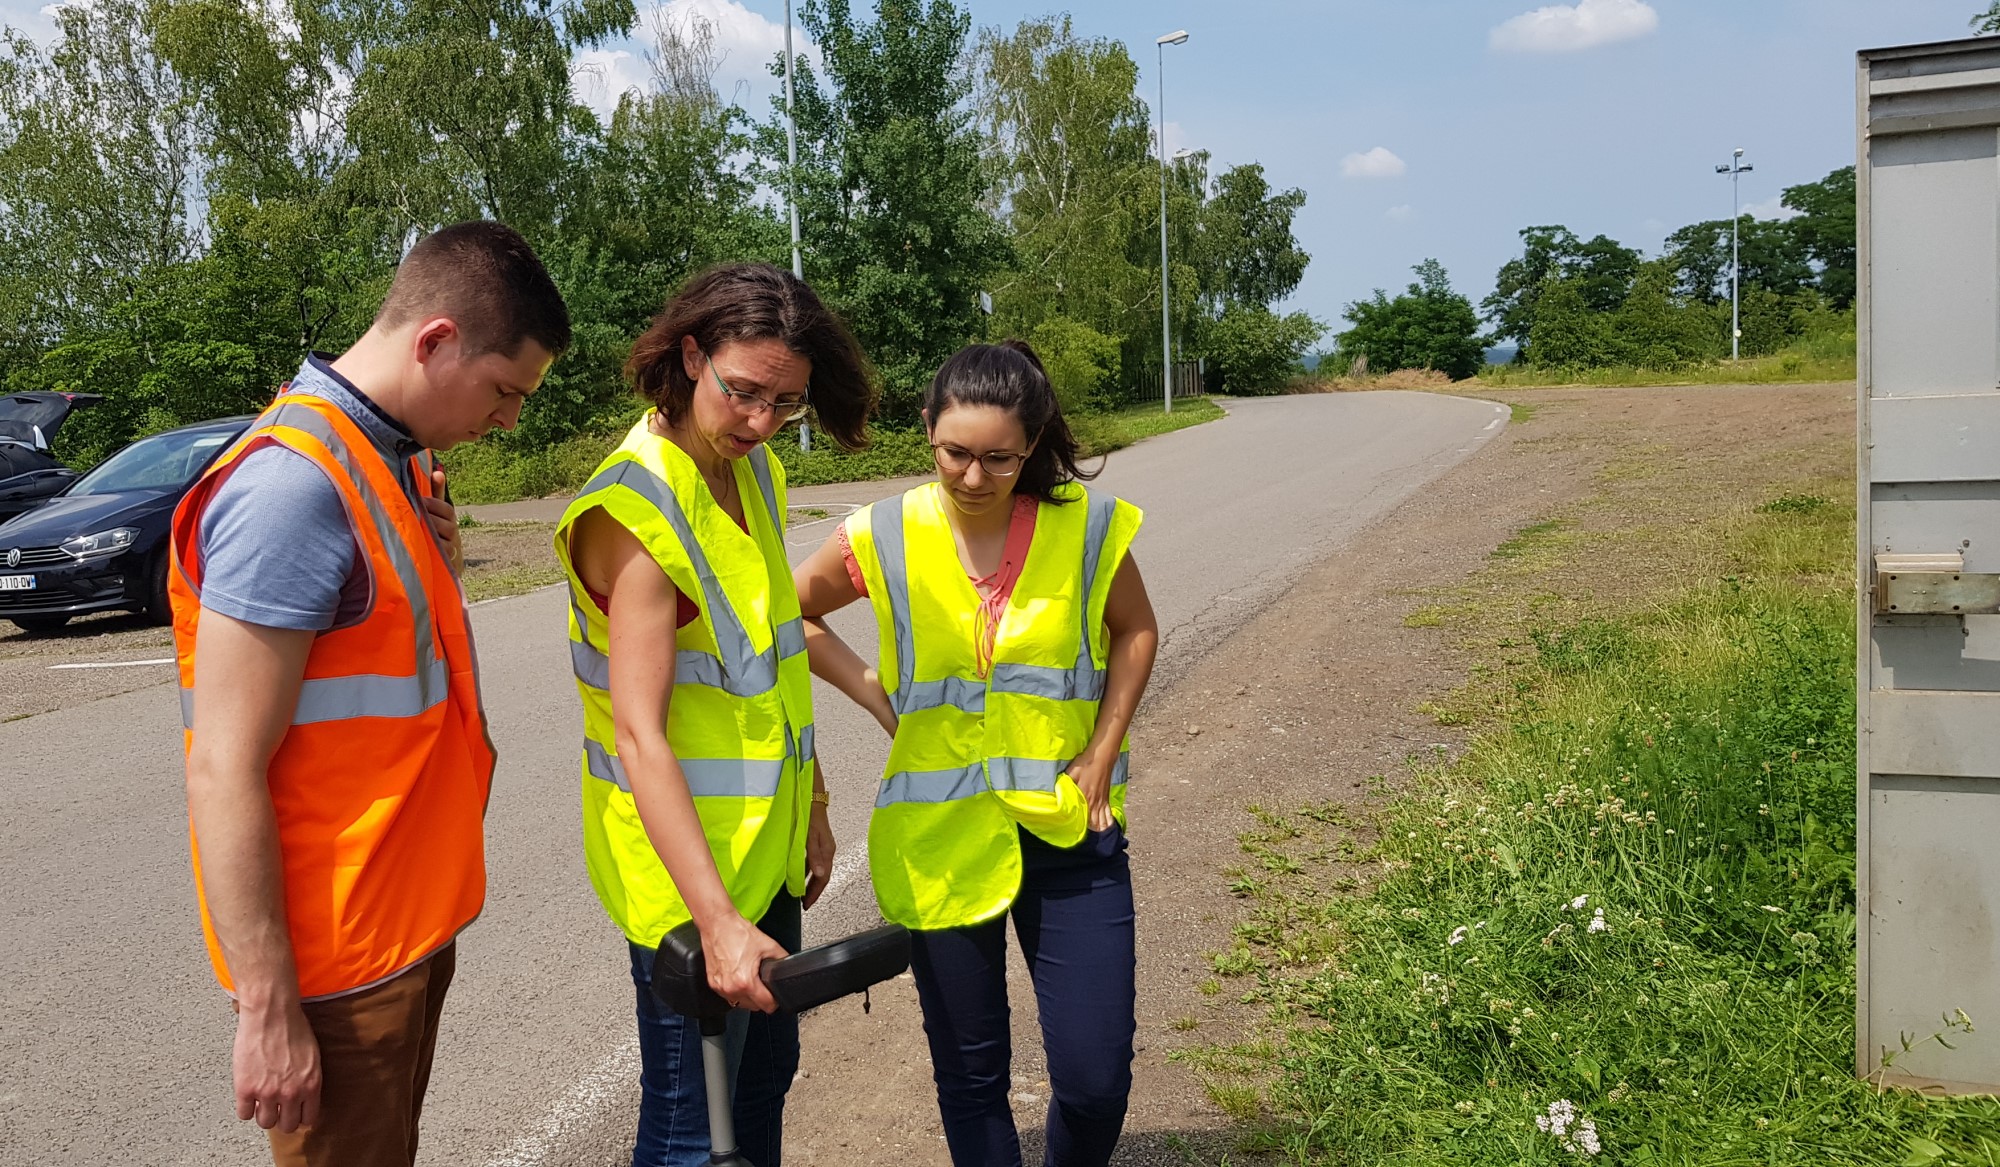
[(13, 557)]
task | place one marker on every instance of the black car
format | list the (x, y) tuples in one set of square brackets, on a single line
[(102, 542), (30, 475)]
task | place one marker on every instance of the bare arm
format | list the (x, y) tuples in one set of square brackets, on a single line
[(1135, 641), (246, 687), (644, 606), (824, 586)]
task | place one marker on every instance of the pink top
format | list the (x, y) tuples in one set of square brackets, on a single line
[(994, 590)]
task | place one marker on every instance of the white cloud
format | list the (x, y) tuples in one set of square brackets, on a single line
[(1401, 214), (1376, 163), (1565, 28)]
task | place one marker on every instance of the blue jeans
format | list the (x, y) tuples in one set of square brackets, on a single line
[(1074, 920), (763, 1057)]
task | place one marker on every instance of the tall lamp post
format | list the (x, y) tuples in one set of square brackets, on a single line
[(1177, 37), (792, 185), (1735, 170)]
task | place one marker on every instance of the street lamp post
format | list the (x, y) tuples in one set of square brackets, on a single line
[(792, 186), (1735, 170), (1176, 37)]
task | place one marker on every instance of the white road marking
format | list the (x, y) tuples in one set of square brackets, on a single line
[(591, 1093), (1494, 422), (116, 664)]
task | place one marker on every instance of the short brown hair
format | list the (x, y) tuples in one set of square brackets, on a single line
[(757, 301), (487, 279)]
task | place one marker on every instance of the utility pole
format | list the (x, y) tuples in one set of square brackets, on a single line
[(1735, 170), (1176, 37), (792, 188)]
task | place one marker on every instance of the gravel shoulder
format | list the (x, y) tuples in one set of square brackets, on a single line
[(1323, 696)]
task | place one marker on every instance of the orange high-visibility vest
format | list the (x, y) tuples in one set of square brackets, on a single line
[(380, 784)]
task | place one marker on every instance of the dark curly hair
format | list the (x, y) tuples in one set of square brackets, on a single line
[(757, 301), (1009, 376)]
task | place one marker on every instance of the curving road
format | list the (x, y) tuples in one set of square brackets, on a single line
[(114, 1041)]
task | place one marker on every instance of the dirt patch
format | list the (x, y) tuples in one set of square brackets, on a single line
[(506, 559), (1322, 697)]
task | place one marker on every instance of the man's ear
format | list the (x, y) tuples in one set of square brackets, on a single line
[(432, 336)]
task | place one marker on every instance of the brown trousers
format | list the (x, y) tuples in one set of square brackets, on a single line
[(375, 1051)]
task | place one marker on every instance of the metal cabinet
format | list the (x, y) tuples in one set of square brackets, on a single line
[(1928, 866)]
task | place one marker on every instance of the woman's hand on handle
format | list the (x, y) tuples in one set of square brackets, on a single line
[(735, 950)]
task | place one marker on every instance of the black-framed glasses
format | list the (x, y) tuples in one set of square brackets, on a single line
[(957, 460), (751, 405)]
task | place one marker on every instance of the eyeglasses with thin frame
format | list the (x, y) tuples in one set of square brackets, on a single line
[(957, 460), (751, 405)]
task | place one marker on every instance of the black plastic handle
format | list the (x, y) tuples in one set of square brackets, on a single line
[(799, 982)]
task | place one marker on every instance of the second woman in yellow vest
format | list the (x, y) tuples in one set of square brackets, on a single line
[(1015, 638), (701, 797)]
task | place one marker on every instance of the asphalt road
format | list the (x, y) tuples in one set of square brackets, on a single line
[(114, 1040)]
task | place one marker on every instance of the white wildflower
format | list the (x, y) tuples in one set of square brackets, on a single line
[(1575, 1132), (1458, 935), (1597, 923), (1577, 904)]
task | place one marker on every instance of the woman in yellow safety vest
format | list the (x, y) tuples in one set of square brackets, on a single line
[(1015, 639), (701, 796)]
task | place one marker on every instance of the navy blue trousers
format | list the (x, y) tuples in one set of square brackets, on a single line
[(763, 1058), (1074, 920)]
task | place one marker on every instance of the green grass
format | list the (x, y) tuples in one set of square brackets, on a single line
[(1828, 357), (1634, 897), (491, 472)]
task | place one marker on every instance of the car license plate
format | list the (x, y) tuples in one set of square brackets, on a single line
[(17, 583)]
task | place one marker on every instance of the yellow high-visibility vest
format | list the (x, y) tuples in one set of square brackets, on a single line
[(974, 756), (740, 719)]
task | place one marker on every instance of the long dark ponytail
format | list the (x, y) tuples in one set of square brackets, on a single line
[(1009, 376)]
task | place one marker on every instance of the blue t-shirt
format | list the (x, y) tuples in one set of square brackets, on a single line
[(277, 547)]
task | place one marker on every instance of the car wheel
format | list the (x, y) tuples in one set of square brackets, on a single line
[(39, 625), (159, 609)]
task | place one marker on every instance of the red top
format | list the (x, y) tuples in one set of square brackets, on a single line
[(994, 590)]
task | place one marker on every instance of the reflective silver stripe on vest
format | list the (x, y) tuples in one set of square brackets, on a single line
[(960, 692), (791, 638), (760, 462), (886, 520), (323, 699), (1009, 774), (931, 785), (368, 695), (741, 670), (706, 777), (808, 749)]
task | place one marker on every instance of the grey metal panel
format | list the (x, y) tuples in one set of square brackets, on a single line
[(1936, 652), (1928, 731), (1934, 925), (1934, 216), (1937, 439), (1918, 517)]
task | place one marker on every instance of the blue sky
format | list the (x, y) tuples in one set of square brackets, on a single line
[(1424, 128)]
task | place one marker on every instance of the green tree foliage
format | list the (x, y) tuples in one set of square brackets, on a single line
[(1601, 267), (1083, 363), (1825, 230), (1429, 326), (1987, 22), (1246, 227), (1068, 148), (195, 193), (891, 185), (1610, 307), (1253, 350)]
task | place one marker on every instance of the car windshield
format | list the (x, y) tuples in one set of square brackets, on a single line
[(161, 462)]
